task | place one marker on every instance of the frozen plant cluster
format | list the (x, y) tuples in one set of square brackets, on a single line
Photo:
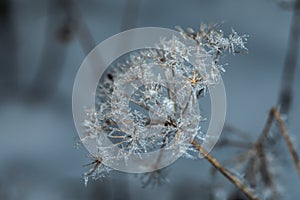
[(150, 101)]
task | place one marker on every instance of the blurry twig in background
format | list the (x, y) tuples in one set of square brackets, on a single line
[(257, 170), (64, 22), (59, 31), (84, 35), (130, 15), (286, 93), (8, 50), (288, 140)]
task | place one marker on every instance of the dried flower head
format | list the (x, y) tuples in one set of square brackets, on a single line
[(149, 100)]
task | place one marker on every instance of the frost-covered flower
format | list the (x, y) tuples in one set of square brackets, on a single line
[(149, 101)]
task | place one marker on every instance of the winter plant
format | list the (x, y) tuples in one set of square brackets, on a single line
[(159, 112), (150, 99), (166, 103)]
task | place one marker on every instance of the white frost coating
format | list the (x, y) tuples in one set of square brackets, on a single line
[(145, 110)]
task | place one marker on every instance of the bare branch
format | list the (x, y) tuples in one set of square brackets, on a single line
[(214, 162), (287, 139)]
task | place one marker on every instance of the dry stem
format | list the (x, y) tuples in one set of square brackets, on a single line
[(214, 162), (287, 139)]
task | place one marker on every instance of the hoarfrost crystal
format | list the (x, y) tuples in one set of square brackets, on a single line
[(148, 103)]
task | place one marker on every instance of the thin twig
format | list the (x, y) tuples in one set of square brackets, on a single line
[(288, 74), (265, 172), (265, 132), (213, 161), (287, 139), (259, 157)]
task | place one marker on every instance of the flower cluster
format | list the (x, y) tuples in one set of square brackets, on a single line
[(149, 101)]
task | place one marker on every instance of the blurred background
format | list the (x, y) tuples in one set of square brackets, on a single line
[(42, 44)]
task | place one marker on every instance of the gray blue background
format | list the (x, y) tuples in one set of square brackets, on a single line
[(39, 61)]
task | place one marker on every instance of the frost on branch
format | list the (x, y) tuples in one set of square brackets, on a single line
[(149, 99), (212, 38), (97, 171)]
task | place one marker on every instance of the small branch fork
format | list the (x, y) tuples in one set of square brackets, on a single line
[(287, 139), (274, 115)]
